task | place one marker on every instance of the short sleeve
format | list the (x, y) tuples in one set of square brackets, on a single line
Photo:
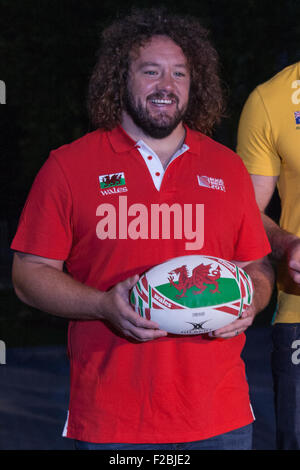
[(255, 142), (252, 241), (45, 225)]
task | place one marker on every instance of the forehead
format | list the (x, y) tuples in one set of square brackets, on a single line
[(159, 49)]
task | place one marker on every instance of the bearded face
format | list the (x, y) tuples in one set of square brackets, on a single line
[(157, 91)]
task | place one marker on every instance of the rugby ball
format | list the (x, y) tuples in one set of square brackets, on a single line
[(192, 294)]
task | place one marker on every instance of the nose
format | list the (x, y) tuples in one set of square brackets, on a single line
[(166, 82)]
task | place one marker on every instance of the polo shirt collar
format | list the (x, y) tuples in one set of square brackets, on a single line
[(122, 142), (193, 140)]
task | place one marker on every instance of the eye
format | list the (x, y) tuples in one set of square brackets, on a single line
[(180, 74), (150, 72)]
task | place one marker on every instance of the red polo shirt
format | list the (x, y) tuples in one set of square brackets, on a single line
[(91, 206)]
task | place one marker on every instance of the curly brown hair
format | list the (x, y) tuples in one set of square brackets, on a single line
[(109, 78)]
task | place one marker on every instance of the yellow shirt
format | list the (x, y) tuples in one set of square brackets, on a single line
[(269, 144)]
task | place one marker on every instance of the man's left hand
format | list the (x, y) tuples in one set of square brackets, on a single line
[(237, 326), (262, 275)]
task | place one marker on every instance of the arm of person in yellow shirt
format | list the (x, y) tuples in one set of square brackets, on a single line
[(284, 244)]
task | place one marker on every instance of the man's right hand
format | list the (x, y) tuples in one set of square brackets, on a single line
[(116, 309)]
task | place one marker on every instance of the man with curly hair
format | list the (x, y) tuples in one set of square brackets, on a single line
[(86, 234)]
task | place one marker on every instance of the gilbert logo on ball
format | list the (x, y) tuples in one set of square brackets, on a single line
[(192, 294)]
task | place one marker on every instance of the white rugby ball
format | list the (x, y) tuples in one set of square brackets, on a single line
[(192, 294)]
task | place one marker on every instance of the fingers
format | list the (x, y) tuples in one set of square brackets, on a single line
[(132, 319), (294, 260), (123, 317), (295, 264), (143, 334), (124, 287), (133, 325), (235, 328), (295, 271)]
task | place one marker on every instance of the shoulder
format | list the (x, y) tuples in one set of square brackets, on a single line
[(220, 149), (285, 75), (280, 83), (79, 149), (214, 149), (218, 159), (272, 92)]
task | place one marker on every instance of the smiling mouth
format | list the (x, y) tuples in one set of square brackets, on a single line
[(162, 102)]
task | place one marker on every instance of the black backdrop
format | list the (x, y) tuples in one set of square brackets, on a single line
[(47, 51)]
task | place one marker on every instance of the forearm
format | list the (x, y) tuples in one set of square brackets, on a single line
[(263, 277), (42, 283), (56, 292), (280, 240)]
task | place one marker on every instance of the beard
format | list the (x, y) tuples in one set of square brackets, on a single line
[(159, 126)]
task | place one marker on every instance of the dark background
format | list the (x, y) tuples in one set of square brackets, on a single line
[(47, 52)]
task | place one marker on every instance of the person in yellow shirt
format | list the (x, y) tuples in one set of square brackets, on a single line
[(269, 144)]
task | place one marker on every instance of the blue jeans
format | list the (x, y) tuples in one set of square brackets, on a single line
[(286, 377), (239, 439)]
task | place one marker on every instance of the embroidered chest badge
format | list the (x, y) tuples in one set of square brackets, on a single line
[(112, 183), (211, 183)]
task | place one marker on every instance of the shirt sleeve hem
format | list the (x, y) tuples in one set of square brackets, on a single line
[(59, 255)]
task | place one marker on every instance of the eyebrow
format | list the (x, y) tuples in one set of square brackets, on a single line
[(155, 64)]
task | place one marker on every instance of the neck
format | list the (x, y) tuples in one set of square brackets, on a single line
[(164, 148)]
